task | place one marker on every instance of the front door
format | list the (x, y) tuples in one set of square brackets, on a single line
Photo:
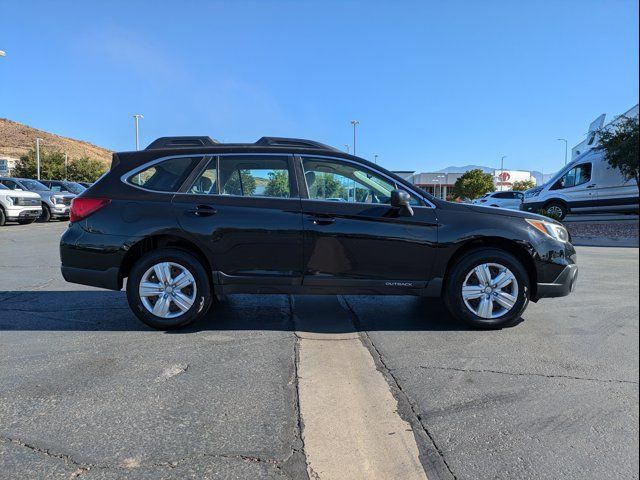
[(354, 238), (246, 210), (577, 189)]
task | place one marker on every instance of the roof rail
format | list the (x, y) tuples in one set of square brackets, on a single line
[(293, 142), (181, 142)]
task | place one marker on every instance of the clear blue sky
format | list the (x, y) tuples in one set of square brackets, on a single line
[(432, 83)]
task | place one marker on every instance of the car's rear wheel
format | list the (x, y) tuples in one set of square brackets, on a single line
[(487, 288), (169, 288), (45, 216)]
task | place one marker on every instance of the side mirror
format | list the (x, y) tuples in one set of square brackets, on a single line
[(402, 200)]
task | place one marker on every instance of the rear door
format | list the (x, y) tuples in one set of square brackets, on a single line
[(246, 210), (353, 238)]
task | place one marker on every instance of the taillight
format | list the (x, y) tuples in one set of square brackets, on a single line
[(82, 207)]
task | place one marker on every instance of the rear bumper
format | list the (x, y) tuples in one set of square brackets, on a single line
[(108, 278), (562, 286)]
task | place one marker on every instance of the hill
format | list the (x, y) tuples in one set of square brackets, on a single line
[(17, 139)]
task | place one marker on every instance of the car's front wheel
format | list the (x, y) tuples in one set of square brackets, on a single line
[(487, 288), (169, 288)]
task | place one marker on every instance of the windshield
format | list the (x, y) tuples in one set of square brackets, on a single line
[(33, 185), (2, 187)]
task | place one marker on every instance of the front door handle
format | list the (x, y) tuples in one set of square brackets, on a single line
[(592, 185), (202, 211), (321, 219)]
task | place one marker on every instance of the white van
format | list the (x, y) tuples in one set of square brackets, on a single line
[(586, 185)]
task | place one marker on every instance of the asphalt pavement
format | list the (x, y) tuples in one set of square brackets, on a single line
[(88, 391)]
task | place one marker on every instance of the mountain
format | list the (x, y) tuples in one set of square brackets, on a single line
[(17, 139), (466, 168)]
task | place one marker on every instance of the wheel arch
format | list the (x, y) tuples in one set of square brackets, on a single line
[(517, 249), (556, 200), (156, 242)]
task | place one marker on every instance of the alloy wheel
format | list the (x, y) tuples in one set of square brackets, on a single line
[(167, 290), (490, 290)]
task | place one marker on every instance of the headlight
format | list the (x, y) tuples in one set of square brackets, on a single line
[(9, 199), (553, 230), (56, 200)]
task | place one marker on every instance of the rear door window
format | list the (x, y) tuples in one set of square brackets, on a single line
[(165, 176), (255, 176)]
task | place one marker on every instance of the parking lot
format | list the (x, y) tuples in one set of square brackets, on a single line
[(88, 391)]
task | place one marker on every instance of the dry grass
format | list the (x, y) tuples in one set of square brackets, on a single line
[(17, 139)]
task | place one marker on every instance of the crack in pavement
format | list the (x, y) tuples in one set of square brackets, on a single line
[(398, 391), (296, 385), (526, 374), (131, 464)]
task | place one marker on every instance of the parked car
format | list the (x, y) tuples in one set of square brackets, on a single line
[(188, 219), (17, 206), (54, 205), (586, 185), (507, 199), (64, 186)]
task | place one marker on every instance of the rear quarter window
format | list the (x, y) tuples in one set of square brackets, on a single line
[(165, 176)]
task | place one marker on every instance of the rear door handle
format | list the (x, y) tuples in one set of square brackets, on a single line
[(202, 211), (321, 219)]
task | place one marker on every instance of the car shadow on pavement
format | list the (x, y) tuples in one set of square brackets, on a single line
[(96, 310)]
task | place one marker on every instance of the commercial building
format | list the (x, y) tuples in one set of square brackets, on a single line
[(440, 184), (591, 139)]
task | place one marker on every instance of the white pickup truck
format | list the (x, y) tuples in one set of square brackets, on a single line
[(19, 206)]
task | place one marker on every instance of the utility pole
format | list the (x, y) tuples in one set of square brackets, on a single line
[(501, 169), (565, 148), (38, 140), (375, 158), (136, 119), (354, 123)]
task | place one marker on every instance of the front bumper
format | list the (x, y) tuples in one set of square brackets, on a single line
[(562, 286), (59, 210), (533, 207), (23, 213)]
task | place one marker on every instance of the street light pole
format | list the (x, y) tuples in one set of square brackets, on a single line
[(501, 169), (66, 161), (375, 158), (354, 123), (136, 119), (38, 140), (565, 148)]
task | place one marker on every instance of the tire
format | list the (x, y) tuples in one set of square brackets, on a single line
[(560, 209), (462, 274), (3, 218), (46, 214), (27, 222), (180, 261)]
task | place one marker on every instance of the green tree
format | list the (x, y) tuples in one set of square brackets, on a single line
[(241, 184), (278, 185), (326, 185), (620, 147), (473, 184), (85, 169), (51, 165), (522, 185)]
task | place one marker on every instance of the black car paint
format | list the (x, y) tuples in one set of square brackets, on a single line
[(297, 245)]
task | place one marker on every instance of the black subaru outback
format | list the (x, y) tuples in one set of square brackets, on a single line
[(190, 219)]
